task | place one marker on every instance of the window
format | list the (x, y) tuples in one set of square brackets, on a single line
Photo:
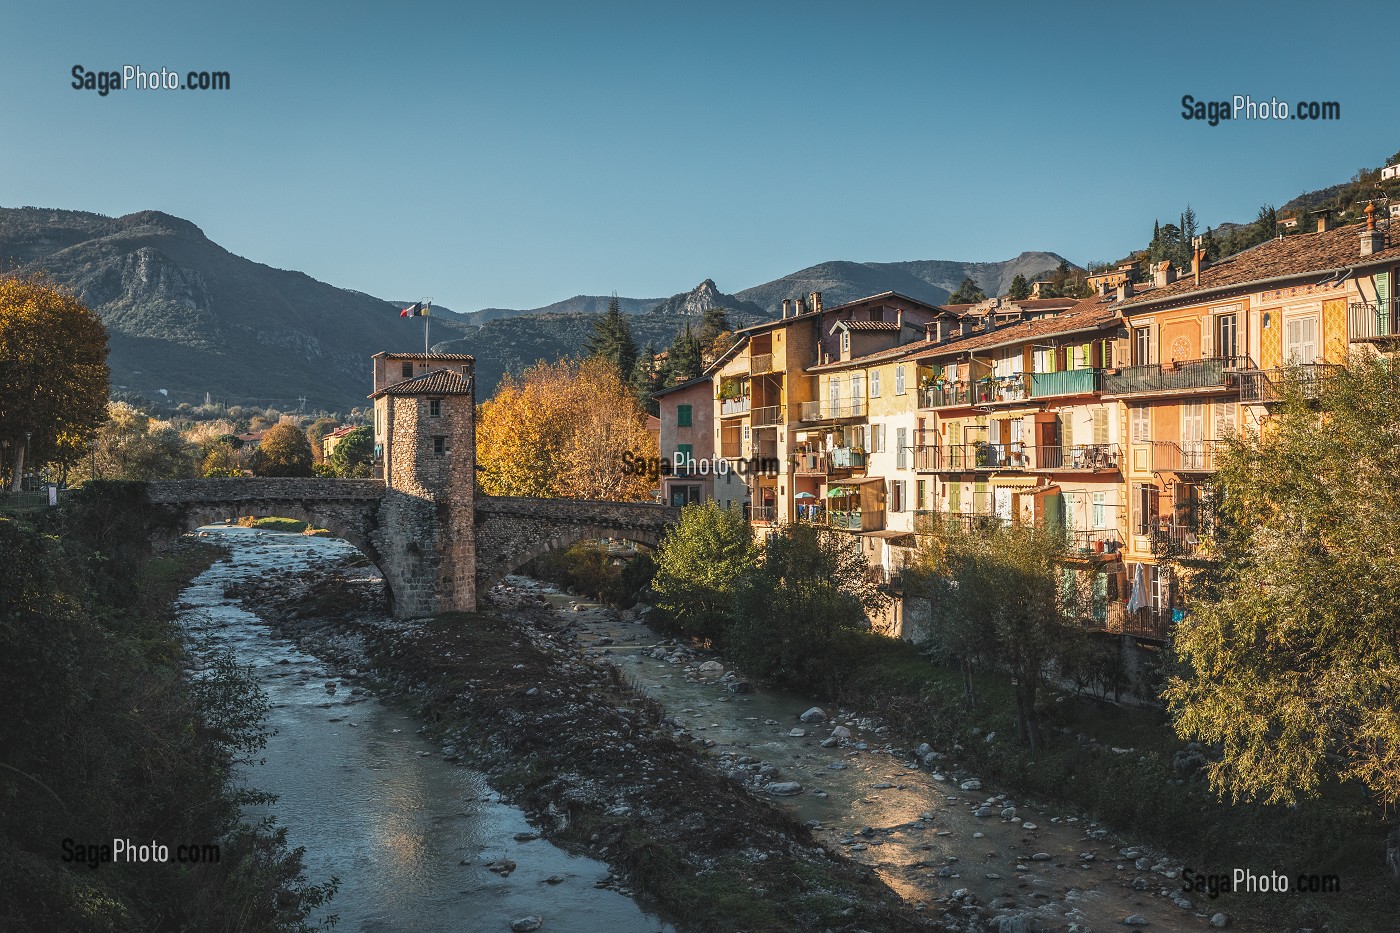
[(685, 457), (1142, 346), (857, 386), (439, 446), (1099, 505), (1193, 425), (1141, 424), (1144, 507), (1300, 340), (434, 408), (683, 415), (877, 438), (1100, 426), (896, 495), (833, 394), (899, 380), (845, 341), (1224, 420), (1226, 335), (874, 383), (920, 494), (901, 448)]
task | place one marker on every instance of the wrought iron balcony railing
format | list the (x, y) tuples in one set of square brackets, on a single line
[(1270, 385), (1210, 373), (1183, 457), (1089, 457), (1067, 382)]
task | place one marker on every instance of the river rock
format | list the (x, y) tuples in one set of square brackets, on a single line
[(783, 788), (840, 732), (923, 750), (1220, 920), (829, 743), (971, 784), (503, 867), (797, 733), (711, 669), (1135, 920), (527, 924), (815, 714), (1008, 812), (740, 686)]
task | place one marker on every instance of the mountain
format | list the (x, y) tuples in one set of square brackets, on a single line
[(185, 315), (705, 297), (927, 280), (510, 344)]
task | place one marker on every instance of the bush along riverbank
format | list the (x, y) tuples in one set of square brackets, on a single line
[(106, 736), (592, 761)]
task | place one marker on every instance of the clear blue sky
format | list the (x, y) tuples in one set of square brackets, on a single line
[(512, 154)]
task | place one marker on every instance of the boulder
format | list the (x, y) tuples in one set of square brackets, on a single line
[(815, 714), (783, 788), (527, 924)]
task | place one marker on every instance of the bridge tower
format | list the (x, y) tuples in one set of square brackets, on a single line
[(425, 444)]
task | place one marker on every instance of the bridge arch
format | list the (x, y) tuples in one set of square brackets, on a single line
[(512, 531)]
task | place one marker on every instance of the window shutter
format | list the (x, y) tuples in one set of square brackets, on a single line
[(1208, 336), (1100, 426)]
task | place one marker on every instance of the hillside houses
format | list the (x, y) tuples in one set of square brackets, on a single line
[(1102, 415)]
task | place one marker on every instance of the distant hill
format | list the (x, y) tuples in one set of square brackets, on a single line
[(186, 315)]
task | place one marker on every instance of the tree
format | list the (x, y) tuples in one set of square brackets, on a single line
[(1003, 593), (810, 591), (53, 374), (685, 360), (969, 292), (1292, 646), (644, 380), (283, 451), (352, 457), (1020, 289), (132, 446), (569, 429), (319, 429), (612, 341), (699, 565)]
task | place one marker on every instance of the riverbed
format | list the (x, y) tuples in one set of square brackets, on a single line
[(413, 837), (934, 834)]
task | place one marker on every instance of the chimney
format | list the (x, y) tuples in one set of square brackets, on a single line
[(1125, 290), (1103, 287), (1198, 258), (1372, 240), (787, 308), (816, 301), (899, 321), (1324, 220), (800, 308), (1164, 275)]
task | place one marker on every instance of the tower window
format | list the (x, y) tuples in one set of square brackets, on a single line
[(439, 445), (434, 408), (408, 370)]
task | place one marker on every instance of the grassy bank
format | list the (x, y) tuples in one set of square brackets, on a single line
[(105, 737), (1149, 791)]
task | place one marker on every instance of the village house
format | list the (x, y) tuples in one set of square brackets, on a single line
[(687, 446)]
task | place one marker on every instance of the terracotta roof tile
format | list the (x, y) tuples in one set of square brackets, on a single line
[(1298, 256), (437, 382), (429, 357)]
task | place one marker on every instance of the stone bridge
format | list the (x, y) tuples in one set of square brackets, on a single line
[(430, 562)]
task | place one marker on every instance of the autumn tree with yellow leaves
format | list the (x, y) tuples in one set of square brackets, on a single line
[(53, 375), (560, 430)]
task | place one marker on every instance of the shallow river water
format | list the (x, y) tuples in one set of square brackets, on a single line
[(408, 834)]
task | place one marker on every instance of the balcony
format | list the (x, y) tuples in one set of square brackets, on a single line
[(1095, 544), (833, 411), (1177, 540), (1265, 386), (1001, 389), (1371, 322), (1091, 458), (1188, 457), (995, 456), (945, 396), (763, 514), (844, 521), (767, 417), (730, 407), (817, 463), (926, 521), (760, 363), (1184, 375), (1067, 382), (927, 458)]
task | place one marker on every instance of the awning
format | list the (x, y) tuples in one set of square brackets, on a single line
[(859, 480), (837, 492), (1020, 482), (887, 534)]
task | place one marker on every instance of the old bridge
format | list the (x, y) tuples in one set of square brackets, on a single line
[(418, 552)]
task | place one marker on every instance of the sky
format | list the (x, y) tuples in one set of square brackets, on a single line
[(514, 154)]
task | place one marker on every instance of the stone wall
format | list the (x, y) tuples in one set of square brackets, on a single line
[(512, 531)]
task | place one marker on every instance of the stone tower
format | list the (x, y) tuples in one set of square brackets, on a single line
[(425, 443)]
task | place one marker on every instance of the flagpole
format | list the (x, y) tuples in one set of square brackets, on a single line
[(427, 304)]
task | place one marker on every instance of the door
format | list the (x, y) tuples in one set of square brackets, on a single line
[(1193, 434)]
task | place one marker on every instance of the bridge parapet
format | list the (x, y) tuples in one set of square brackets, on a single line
[(262, 489)]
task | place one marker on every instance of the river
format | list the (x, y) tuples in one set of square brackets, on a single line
[(373, 803)]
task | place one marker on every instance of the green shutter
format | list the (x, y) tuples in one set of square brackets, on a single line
[(682, 416)]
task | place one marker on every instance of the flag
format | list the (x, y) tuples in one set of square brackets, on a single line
[(414, 310)]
